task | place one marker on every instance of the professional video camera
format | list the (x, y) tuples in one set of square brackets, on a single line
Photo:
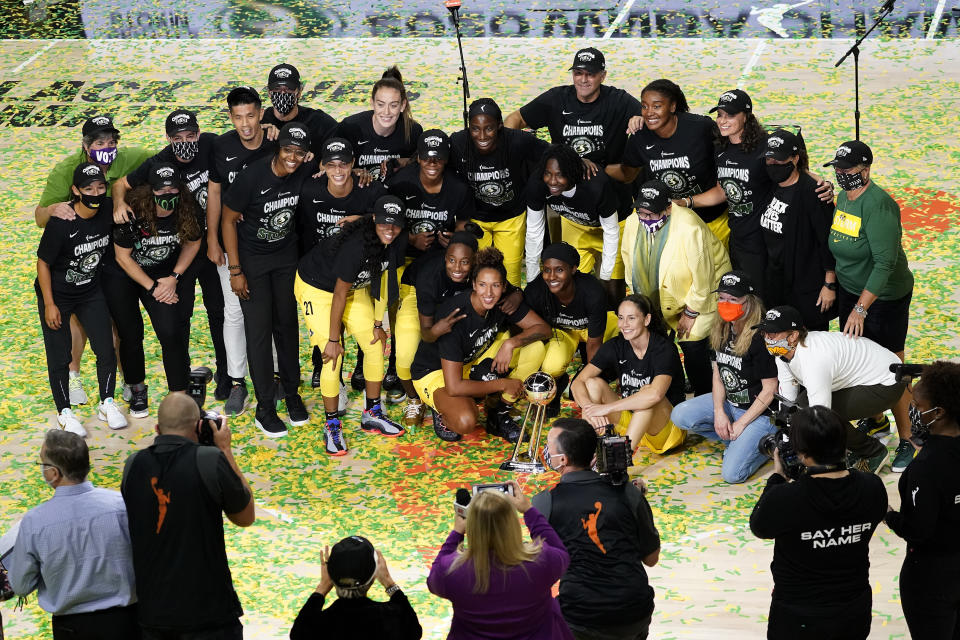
[(197, 385), (614, 455), (780, 440)]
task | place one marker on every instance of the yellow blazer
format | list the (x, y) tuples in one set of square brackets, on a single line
[(692, 262)]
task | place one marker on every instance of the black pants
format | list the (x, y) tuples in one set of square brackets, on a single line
[(751, 259), (847, 621), (696, 362), (117, 623), (635, 631), (270, 313), (205, 272), (94, 315), (854, 403), (886, 322), (232, 631), (930, 595), (171, 323)]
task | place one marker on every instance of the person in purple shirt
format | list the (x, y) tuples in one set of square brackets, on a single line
[(500, 586)]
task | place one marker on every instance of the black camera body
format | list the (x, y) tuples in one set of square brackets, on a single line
[(197, 384), (210, 422), (614, 455), (780, 440)]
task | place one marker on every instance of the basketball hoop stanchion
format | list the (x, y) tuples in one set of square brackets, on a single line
[(539, 389)]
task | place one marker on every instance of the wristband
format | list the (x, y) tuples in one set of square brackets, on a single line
[(176, 276), (238, 273), (153, 288), (831, 285), (689, 202), (378, 326), (233, 267), (332, 340), (392, 589), (689, 313)]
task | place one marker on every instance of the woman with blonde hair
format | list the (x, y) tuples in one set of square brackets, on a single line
[(744, 381), (499, 585)]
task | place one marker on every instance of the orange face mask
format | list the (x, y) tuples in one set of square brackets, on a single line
[(730, 311)]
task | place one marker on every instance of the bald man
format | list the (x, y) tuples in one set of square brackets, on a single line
[(175, 492)]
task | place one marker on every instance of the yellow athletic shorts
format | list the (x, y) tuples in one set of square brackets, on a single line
[(670, 437), (563, 344)]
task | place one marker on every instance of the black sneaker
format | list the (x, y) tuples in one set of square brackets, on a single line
[(553, 409), (222, 390), (139, 402), (297, 411), (441, 429), (315, 378), (270, 423), (236, 402), (501, 423), (395, 392), (870, 427), (357, 381)]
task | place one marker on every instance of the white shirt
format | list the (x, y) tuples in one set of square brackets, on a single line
[(830, 361)]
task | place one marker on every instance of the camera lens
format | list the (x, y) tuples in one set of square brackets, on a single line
[(767, 444)]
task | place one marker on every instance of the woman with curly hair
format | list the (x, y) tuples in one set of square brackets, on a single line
[(345, 283), (153, 250)]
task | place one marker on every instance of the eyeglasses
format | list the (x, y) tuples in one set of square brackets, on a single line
[(47, 464)]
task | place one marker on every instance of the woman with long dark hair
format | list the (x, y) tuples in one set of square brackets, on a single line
[(346, 283), (153, 250)]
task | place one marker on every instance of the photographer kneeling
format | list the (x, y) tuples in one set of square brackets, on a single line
[(821, 525), (608, 530)]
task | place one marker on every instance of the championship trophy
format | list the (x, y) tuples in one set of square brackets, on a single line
[(540, 388)]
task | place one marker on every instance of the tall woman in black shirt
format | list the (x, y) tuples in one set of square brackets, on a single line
[(929, 519)]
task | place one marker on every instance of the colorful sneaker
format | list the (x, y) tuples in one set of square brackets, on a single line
[(873, 464), (343, 402), (224, 385), (441, 430), (395, 392), (413, 413), (139, 401), (903, 456), (870, 427), (109, 412), (335, 441), (77, 394), (270, 423), (236, 402), (69, 422), (297, 411), (374, 421)]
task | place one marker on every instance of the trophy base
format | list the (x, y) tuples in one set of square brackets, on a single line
[(522, 467)]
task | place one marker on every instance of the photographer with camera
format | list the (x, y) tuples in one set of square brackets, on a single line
[(609, 532), (350, 568), (821, 526), (175, 491), (929, 519), (499, 585), (849, 375)]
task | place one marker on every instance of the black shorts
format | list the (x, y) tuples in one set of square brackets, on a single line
[(886, 322)]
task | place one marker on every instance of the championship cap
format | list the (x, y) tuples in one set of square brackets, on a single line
[(782, 144), (735, 283), (162, 175), (294, 133), (734, 101), (589, 60), (850, 154), (389, 210), (284, 75), (784, 318), (181, 120), (87, 173), (97, 124), (352, 563), (433, 143), (337, 149), (654, 196)]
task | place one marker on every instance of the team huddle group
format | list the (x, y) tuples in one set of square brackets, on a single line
[(349, 225)]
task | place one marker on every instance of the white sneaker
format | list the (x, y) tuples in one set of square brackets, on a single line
[(344, 401), (127, 393), (69, 422), (77, 394), (110, 412)]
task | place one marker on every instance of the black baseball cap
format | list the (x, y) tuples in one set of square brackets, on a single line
[(181, 120), (781, 144), (736, 283), (163, 174), (590, 60), (352, 563), (87, 173), (433, 143), (654, 196), (337, 149), (389, 210), (784, 318), (98, 124), (284, 75), (294, 133), (850, 154), (734, 101)]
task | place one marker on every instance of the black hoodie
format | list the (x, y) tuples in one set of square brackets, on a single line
[(822, 529)]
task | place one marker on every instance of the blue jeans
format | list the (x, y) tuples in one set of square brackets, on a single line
[(741, 457)]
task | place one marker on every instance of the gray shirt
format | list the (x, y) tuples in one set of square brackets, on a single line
[(74, 549)]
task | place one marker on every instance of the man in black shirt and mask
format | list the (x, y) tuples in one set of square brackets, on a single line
[(285, 89), (821, 525), (610, 535)]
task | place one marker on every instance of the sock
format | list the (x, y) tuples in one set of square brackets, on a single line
[(332, 415), (372, 402), (239, 381)]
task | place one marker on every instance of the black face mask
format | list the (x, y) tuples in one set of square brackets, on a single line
[(283, 102), (186, 151), (167, 201), (92, 202), (850, 181), (779, 172)]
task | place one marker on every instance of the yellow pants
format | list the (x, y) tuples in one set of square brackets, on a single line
[(588, 241), (721, 229), (671, 436), (525, 361), (358, 317), (509, 236), (564, 343), (407, 330)]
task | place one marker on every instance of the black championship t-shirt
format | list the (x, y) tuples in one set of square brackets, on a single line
[(822, 529), (230, 157), (591, 200), (685, 161), (431, 212), (326, 263), (156, 252), (75, 250), (774, 219), (194, 174), (428, 275), (268, 204), (587, 310), (319, 212), (744, 179), (176, 533), (660, 359), (596, 130), (318, 121), (742, 376), (370, 149), (499, 178)]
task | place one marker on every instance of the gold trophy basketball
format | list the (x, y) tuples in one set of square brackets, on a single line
[(540, 388)]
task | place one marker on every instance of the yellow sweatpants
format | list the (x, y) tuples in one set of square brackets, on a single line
[(588, 241), (407, 330), (563, 344), (509, 236)]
